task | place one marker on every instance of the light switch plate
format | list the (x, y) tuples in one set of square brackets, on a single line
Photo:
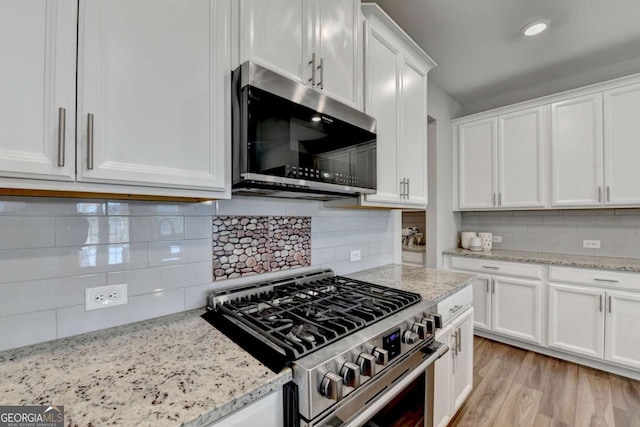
[(497, 239), (591, 244), (355, 255)]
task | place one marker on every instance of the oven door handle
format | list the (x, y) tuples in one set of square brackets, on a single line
[(374, 407)]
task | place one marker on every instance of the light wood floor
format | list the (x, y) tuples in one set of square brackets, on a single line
[(514, 387)]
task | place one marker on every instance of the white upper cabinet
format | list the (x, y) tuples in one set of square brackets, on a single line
[(413, 128), (274, 33), (576, 152), (395, 94), (501, 161), (315, 42), (382, 102), (477, 164), (521, 150), (622, 146), (153, 93), (37, 89), (338, 47)]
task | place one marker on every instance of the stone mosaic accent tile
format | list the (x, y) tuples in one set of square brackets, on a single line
[(248, 245)]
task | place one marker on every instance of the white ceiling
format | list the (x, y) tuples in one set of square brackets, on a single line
[(485, 62)]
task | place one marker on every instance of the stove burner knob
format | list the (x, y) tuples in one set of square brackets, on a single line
[(331, 386), (350, 374), (409, 337), (437, 319), (367, 364), (420, 329), (381, 355)]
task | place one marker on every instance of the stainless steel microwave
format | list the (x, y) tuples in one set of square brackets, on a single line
[(290, 140)]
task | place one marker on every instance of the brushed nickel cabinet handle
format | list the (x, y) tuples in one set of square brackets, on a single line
[(606, 280), (609, 304), (321, 68), (490, 267), (600, 303), (493, 286), (312, 63), (494, 199), (459, 341), (500, 199), (408, 188), (608, 193), (455, 309), (62, 130), (599, 194), (487, 286), (90, 141)]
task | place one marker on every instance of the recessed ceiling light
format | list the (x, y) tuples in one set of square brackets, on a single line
[(536, 27), (315, 119)]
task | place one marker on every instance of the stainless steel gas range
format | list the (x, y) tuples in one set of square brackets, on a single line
[(361, 353)]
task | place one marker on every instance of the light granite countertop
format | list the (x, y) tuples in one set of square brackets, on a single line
[(433, 285), (579, 261), (169, 371)]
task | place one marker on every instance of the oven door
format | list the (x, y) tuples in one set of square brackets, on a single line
[(402, 396)]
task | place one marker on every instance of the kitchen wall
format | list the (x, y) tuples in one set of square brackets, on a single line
[(52, 249), (562, 231), (443, 224)]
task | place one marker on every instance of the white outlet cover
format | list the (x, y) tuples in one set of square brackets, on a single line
[(105, 296), (497, 239), (591, 244), (355, 255)]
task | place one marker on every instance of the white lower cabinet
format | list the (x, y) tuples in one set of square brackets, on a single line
[(516, 308), (506, 305), (622, 331), (264, 412), (576, 319), (454, 371)]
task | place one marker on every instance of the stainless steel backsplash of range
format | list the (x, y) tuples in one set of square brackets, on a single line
[(289, 140)]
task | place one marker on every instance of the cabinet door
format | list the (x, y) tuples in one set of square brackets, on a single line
[(516, 309), (521, 148), (482, 302), (154, 77), (382, 90), (339, 48), (264, 412), (576, 152), (442, 408), (622, 342), (463, 359), (412, 146), (278, 35), (576, 319), (622, 146), (37, 80), (477, 168)]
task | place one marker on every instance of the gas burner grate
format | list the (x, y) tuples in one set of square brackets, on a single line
[(283, 321)]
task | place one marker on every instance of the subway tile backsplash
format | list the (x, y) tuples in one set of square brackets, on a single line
[(51, 250), (562, 231)]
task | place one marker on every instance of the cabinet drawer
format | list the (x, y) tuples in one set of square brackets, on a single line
[(602, 278), (531, 271), (455, 304), (413, 257)]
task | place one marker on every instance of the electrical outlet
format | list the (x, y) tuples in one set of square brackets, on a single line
[(591, 244), (497, 239), (105, 296), (355, 255)]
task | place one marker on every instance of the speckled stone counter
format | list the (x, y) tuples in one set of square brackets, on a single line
[(579, 261), (433, 285), (170, 371)]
